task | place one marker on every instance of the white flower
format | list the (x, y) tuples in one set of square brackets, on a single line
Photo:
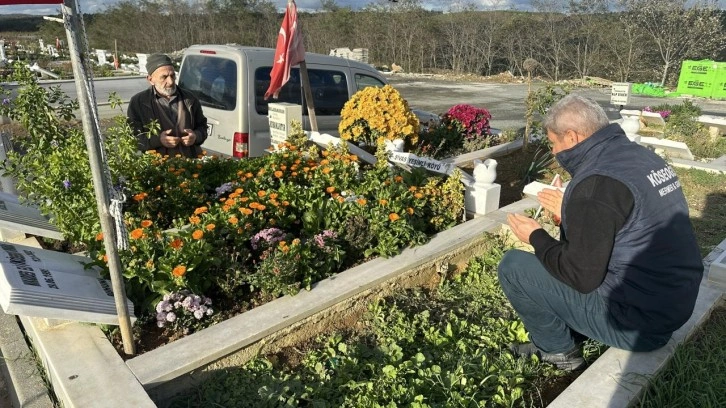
[(170, 317)]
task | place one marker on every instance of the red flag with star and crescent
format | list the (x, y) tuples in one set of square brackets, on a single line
[(288, 52)]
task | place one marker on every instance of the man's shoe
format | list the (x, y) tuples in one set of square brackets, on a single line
[(569, 361)]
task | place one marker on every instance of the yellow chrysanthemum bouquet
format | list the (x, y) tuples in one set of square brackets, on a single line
[(375, 114)]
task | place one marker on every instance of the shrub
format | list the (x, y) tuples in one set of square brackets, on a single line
[(374, 113)]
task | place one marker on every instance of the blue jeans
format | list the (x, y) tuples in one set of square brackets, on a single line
[(551, 310)]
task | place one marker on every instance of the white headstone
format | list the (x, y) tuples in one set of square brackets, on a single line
[(620, 93), (142, 63), (18, 217), (667, 147), (101, 56), (54, 285), (280, 116)]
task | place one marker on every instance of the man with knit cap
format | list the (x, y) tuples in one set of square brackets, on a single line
[(164, 117), (626, 268)]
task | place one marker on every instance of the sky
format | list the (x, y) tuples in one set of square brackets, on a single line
[(94, 6)]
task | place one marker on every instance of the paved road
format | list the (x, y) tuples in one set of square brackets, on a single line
[(505, 101)]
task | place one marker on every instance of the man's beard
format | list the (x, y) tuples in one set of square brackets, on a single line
[(166, 91)]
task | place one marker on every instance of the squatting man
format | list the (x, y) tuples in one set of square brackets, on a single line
[(626, 268)]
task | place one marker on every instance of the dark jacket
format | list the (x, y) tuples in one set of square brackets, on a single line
[(143, 109), (655, 268)]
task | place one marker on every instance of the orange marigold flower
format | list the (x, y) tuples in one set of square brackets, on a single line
[(361, 201), (283, 167), (398, 179), (383, 201), (197, 234), (409, 210), (285, 203), (200, 210), (326, 170), (140, 196), (184, 184), (233, 220), (324, 162), (195, 175), (99, 236), (179, 271), (157, 188), (261, 207), (261, 193), (294, 173), (249, 175), (105, 258), (146, 223), (353, 157), (137, 233), (273, 196), (278, 174), (418, 195), (296, 241), (210, 227), (340, 199), (412, 189), (239, 191), (393, 216), (325, 153), (194, 220), (150, 264), (245, 211), (330, 189), (176, 243)]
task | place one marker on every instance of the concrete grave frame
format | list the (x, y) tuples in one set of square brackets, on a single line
[(80, 361)]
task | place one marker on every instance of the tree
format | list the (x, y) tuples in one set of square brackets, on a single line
[(679, 31)]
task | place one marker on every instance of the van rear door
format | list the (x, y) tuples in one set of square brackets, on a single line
[(212, 76)]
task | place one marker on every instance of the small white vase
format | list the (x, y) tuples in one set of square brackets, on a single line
[(485, 172), (630, 125), (395, 145)]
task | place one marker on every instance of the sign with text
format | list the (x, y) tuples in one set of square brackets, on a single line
[(55, 285), (280, 115), (620, 93), (412, 160)]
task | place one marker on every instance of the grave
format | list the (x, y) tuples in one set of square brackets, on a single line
[(716, 125), (670, 148), (717, 270), (54, 285), (28, 220)]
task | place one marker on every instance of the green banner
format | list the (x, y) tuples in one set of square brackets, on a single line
[(702, 78), (719, 83)]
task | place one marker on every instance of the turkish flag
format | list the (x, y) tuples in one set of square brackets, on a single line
[(9, 2), (289, 51)]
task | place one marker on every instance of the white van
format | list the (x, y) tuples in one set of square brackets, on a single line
[(230, 82)]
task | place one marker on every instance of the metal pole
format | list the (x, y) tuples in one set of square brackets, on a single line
[(99, 182)]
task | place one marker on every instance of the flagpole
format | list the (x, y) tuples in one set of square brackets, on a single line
[(308, 96), (100, 187)]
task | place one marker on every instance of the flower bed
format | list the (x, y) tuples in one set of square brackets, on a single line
[(235, 233)]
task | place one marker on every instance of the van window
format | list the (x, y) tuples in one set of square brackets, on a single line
[(329, 89), (364, 81), (212, 80)]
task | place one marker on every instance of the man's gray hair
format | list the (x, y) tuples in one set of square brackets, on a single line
[(574, 112)]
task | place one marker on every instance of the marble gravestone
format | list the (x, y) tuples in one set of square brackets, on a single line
[(29, 220), (54, 285)]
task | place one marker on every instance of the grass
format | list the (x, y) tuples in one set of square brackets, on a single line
[(696, 375)]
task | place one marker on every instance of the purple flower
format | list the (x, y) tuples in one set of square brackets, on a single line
[(67, 184), (321, 239), (6, 101), (267, 235), (224, 188), (170, 317)]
